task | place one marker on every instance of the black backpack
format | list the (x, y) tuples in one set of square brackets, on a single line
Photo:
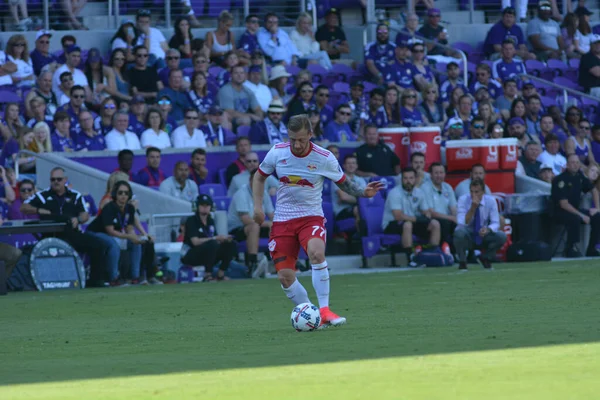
[(529, 251)]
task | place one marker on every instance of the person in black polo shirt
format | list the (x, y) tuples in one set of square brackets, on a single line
[(61, 204), (203, 246), (144, 80), (332, 38), (566, 197), (528, 163), (589, 68), (375, 158)]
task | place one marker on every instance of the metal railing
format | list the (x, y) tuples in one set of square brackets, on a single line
[(164, 228), (565, 91)]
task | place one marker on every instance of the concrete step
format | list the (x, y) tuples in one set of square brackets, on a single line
[(94, 9)]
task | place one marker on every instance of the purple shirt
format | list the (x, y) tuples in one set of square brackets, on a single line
[(170, 125), (163, 75), (224, 78), (11, 147), (498, 33), (39, 60), (378, 119), (14, 212), (61, 143), (596, 150), (74, 118), (202, 104), (401, 73), (100, 127), (326, 115), (335, 132), (428, 74), (96, 143), (47, 119), (156, 176), (135, 126), (215, 138), (411, 119), (447, 87), (382, 56), (493, 88), (248, 42), (505, 70)]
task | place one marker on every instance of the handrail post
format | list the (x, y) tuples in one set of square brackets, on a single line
[(246, 8), (371, 17), (117, 11), (46, 16), (471, 10), (168, 13), (313, 5), (110, 4)]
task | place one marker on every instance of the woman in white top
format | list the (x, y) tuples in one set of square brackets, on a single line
[(304, 39), (18, 52), (155, 136), (583, 36), (222, 40)]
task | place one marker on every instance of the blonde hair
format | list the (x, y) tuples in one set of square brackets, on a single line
[(114, 178), (225, 16), (22, 133), (302, 16), (45, 147), (426, 89), (299, 123)]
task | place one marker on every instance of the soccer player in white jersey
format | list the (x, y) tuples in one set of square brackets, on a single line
[(302, 167)]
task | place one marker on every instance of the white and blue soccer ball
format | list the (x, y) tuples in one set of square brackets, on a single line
[(306, 317)]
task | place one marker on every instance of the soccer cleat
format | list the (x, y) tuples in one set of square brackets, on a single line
[(323, 325), (462, 266), (484, 262), (331, 318)]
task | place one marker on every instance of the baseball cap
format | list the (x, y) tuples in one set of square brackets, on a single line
[(137, 100), (332, 11), (545, 166), (516, 120), (204, 200), (94, 55), (41, 33), (215, 110), (545, 4), (433, 11), (73, 48), (358, 82), (509, 10), (455, 121)]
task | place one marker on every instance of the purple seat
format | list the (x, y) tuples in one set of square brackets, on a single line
[(389, 182), (334, 98), (7, 96), (317, 71), (558, 67), (589, 106), (547, 101), (213, 189), (243, 130), (329, 79), (464, 47), (216, 6), (222, 176), (369, 86), (539, 69), (343, 70), (293, 69), (222, 202), (215, 71), (567, 83), (574, 63), (341, 87), (371, 212)]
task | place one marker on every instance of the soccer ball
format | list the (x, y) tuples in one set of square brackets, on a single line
[(306, 317)]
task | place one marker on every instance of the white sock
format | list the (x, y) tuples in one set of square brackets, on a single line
[(320, 281), (296, 293)]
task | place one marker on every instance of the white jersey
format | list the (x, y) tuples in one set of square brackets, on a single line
[(301, 179)]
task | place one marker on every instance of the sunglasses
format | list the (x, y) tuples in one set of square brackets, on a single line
[(478, 126), (418, 51), (382, 31), (123, 192), (456, 126), (26, 190), (57, 179), (78, 96), (306, 91), (585, 128), (344, 113), (44, 41), (172, 58), (274, 113), (187, 117), (323, 94), (144, 12), (164, 102), (431, 92), (19, 44), (142, 55), (109, 106), (435, 16)]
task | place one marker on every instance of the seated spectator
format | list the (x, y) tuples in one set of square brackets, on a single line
[(44, 91), (164, 105), (547, 128), (477, 173), (483, 78), (242, 147), (465, 111), (238, 101), (338, 130), (200, 63), (277, 84), (275, 43), (528, 164), (89, 138), (241, 179), (345, 206), (374, 114), (454, 81), (6, 69), (302, 100), (507, 67), (7, 192), (188, 135), (178, 185), (230, 60), (584, 34), (221, 40), (125, 162), (173, 57), (261, 91), (118, 64), (533, 114), (573, 116), (9, 157), (568, 31), (506, 29), (100, 78), (143, 79), (154, 135), (544, 34), (198, 170), (200, 96), (422, 74), (137, 115), (478, 130), (73, 60), (66, 83), (410, 115), (391, 105), (400, 72), (124, 40), (248, 42), (119, 138), (497, 131), (304, 40), (417, 162), (455, 95), (431, 110), (510, 93), (321, 103), (116, 224), (42, 142), (546, 173), (113, 178), (302, 77), (580, 145), (589, 69), (150, 38), (12, 119), (26, 190), (17, 52), (409, 31), (375, 158), (103, 122), (41, 58), (442, 202), (214, 133), (37, 105), (74, 107), (518, 109), (182, 39), (407, 212), (151, 175), (486, 112), (516, 129), (560, 124), (432, 30), (454, 130), (61, 137), (380, 55), (332, 39), (478, 225), (66, 41), (315, 121), (202, 247), (177, 94), (357, 103), (241, 223)]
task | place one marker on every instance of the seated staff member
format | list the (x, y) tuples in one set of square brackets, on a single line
[(200, 244), (441, 198), (241, 223), (478, 225), (345, 206)]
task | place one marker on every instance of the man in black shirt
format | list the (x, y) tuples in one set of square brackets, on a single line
[(531, 166), (332, 38), (144, 80), (243, 147), (589, 68), (375, 158), (432, 30), (566, 197), (61, 204), (203, 246)]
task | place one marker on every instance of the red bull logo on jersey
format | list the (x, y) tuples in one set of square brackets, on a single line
[(294, 180), (311, 167)]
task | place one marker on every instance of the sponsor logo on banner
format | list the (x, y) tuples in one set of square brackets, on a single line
[(492, 154), (53, 251), (512, 153), (418, 147), (464, 153), (56, 285), (405, 140), (437, 140)]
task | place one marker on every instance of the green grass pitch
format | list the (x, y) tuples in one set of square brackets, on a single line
[(528, 331)]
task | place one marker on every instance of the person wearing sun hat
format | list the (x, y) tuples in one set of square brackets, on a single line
[(271, 130), (277, 84), (41, 56)]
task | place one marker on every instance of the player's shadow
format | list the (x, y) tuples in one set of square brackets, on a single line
[(158, 330)]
